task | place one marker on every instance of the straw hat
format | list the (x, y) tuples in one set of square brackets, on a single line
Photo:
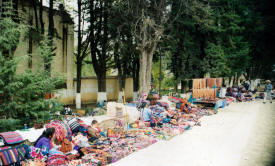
[(118, 107), (268, 81)]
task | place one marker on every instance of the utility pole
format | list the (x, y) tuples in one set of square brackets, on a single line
[(160, 72)]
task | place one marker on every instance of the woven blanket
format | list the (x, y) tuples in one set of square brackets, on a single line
[(11, 138), (61, 131)]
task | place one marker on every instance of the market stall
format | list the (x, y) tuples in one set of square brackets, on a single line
[(172, 119)]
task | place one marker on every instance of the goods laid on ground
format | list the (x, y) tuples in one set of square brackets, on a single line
[(11, 138), (113, 141), (207, 94), (62, 130)]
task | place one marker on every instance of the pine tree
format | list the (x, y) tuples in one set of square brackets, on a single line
[(22, 96)]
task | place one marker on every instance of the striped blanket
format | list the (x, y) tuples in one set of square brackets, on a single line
[(11, 138), (13, 156)]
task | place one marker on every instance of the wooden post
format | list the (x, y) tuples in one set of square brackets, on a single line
[(126, 117)]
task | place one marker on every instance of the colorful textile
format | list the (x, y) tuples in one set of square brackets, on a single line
[(175, 99), (13, 156), (11, 138), (62, 130), (43, 142), (163, 104), (57, 160), (37, 153)]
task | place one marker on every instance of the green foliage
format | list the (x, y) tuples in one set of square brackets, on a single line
[(211, 38), (215, 61), (99, 111), (22, 96), (88, 110), (10, 124), (156, 74)]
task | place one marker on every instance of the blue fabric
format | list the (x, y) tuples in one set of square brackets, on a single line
[(190, 100), (103, 134), (268, 87), (43, 142), (131, 105), (166, 120), (83, 130), (146, 114), (224, 103), (219, 104), (178, 105)]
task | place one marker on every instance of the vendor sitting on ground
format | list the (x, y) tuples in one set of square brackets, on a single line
[(44, 141), (146, 113), (73, 124), (234, 91), (240, 97), (97, 128), (249, 96), (94, 132), (229, 91), (68, 110)]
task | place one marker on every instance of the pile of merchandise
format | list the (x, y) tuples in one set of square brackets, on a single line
[(76, 149), (206, 88)]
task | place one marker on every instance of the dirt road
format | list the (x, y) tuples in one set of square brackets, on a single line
[(242, 134)]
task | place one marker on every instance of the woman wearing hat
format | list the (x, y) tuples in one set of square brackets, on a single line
[(268, 90)]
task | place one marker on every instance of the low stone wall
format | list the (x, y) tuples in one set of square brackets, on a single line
[(89, 90)]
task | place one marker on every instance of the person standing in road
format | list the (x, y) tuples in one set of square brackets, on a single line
[(268, 90)]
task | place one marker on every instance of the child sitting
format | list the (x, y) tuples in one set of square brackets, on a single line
[(97, 128), (94, 131)]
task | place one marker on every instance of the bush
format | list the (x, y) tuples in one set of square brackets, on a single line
[(99, 112), (10, 124), (22, 96), (88, 110)]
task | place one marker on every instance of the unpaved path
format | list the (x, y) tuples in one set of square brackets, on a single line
[(242, 134)]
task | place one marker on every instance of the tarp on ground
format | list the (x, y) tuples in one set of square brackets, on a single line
[(120, 110)]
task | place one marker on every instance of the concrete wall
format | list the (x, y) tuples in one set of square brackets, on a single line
[(63, 62), (64, 42), (89, 90)]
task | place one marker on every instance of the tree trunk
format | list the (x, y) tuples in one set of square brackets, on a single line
[(51, 21), (190, 84), (136, 74), (41, 17), (30, 46), (120, 68), (176, 87), (34, 4), (101, 80), (15, 8), (160, 75), (183, 85), (79, 46), (122, 82), (142, 73), (78, 83), (50, 34), (223, 82), (149, 71), (146, 60), (78, 77)]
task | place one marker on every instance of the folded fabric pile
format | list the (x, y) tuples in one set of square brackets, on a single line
[(14, 155), (62, 130), (80, 141)]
